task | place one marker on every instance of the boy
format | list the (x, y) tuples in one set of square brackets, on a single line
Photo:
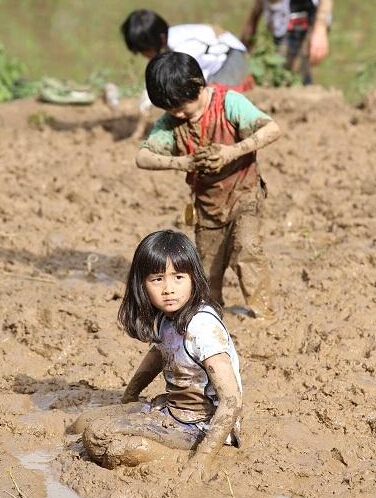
[(212, 134), (221, 56)]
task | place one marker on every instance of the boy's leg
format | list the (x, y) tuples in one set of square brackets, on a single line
[(135, 438), (213, 250), (248, 259)]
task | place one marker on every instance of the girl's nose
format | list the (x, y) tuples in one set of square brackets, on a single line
[(168, 288)]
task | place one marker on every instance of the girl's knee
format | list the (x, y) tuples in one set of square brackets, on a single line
[(111, 449)]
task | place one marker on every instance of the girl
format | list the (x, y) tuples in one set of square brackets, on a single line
[(167, 304)]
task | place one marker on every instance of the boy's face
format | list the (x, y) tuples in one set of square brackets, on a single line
[(192, 111)]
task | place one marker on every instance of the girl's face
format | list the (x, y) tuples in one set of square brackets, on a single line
[(169, 291)]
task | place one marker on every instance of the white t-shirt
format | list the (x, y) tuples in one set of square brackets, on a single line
[(190, 394), (204, 44)]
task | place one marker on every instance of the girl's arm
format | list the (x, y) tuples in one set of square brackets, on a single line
[(149, 368), (147, 159), (222, 376)]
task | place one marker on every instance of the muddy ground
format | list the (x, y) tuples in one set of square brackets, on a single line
[(73, 206)]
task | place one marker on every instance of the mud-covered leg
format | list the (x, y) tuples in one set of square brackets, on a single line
[(136, 438), (249, 261), (80, 424), (211, 246)]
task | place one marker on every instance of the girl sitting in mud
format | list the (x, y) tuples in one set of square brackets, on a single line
[(167, 304)]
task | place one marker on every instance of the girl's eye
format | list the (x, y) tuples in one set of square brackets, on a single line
[(179, 277), (155, 279)]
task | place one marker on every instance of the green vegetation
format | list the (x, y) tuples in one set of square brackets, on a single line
[(266, 64), (13, 85), (71, 39)]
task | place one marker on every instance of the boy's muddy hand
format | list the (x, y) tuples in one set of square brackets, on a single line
[(184, 163), (213, 158)]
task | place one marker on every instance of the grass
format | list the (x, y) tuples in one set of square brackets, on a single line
[(73, 39)]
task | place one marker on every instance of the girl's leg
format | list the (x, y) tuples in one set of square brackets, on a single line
[(102, 411), (135, 438)]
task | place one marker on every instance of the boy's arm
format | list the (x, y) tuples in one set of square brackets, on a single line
[(149, 368), (222, 376), (147, 159), (215, 157)]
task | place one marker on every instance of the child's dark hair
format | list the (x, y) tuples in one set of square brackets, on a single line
[(143, 30), (173, 79), (137, 314)]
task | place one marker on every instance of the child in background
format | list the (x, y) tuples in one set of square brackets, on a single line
[(213, 134), (221, 56), (167, 303)]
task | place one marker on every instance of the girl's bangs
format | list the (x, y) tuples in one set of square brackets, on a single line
[(157, 261)]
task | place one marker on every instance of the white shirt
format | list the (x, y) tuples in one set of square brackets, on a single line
[(187, 382), (201, 42)]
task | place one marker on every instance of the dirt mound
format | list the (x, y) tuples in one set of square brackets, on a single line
[(73, 207)]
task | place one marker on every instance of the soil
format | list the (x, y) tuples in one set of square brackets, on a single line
[(73, 207)]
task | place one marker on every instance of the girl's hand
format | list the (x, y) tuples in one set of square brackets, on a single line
[(213, 158), (129, 398), (198, 469)]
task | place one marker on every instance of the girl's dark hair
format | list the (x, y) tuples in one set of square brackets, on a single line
[(136, 313), (144, 30), (173, 79)]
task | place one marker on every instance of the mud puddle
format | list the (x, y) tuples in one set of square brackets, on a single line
[(41, 460)]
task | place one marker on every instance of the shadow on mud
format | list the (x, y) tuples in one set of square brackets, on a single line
[(56, 393), (65, 263), (120, 127)]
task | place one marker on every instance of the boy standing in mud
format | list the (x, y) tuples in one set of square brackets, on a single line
[(213, 134)]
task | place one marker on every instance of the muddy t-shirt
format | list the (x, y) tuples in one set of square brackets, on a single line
[(191, 397), (230, 118)]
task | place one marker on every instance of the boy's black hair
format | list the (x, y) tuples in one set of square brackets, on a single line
[(143, 30), (173, 79), (136, 314)]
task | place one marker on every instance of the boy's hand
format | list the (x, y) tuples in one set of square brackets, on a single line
[(213, 158)]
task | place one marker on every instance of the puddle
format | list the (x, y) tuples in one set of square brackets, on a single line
[(41, 460)]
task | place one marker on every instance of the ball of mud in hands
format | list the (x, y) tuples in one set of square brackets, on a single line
[(210, 159)]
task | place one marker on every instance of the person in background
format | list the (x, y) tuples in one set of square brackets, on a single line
[(299, 29), (221, 56)]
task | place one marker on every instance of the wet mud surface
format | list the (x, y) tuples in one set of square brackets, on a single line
[(73, 206)]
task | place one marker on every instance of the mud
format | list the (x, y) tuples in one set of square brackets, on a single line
[(73, 206)]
